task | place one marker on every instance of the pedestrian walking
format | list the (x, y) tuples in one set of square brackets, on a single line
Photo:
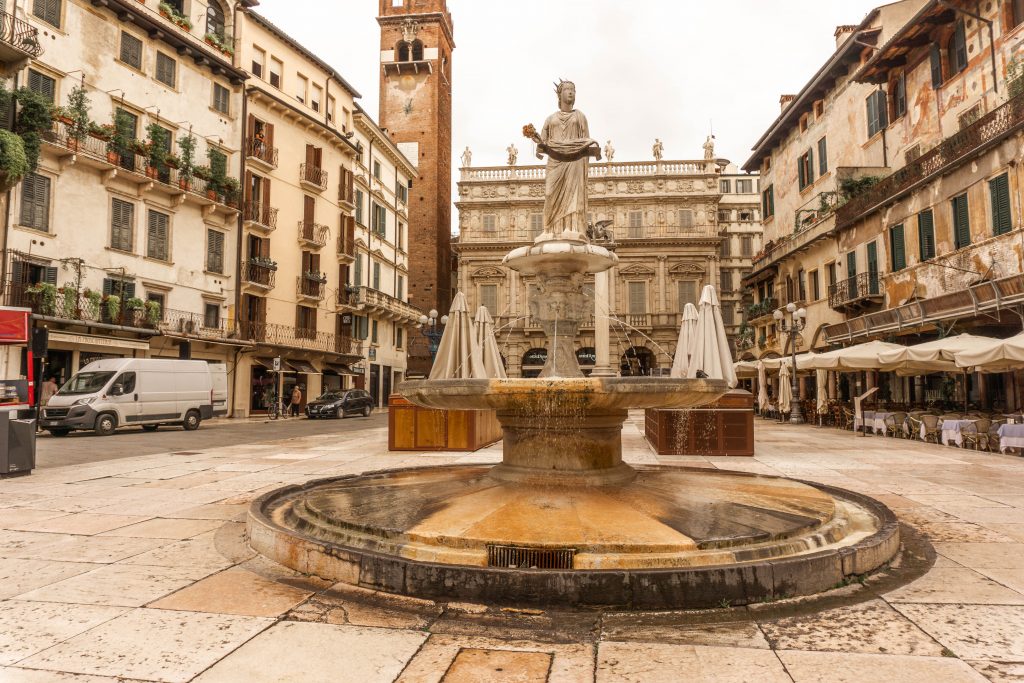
[(296, 400), (47, 391)]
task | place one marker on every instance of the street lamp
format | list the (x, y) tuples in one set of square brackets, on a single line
[(430, 330), (797, 319)]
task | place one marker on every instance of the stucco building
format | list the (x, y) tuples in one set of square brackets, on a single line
[(739, 222), (665, 217)]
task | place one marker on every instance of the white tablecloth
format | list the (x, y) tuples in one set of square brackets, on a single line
[(1011, 436), (953, 430), (867, 418), (879, 422)]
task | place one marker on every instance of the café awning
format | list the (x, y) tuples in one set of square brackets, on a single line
[(302, 367), (852, 358), (996, 355), (933, 356), (340, 369)]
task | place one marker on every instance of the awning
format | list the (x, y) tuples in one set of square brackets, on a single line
[(852, 358), (340, 369), (996, 355), (268, 363), (302, 367), (933, 356)]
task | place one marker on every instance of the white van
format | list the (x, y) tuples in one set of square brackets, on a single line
[(120, 392)]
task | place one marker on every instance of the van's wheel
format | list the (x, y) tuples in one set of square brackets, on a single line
[(366, 411), (150, 428), (60, 432), (106, 424), (192, 420)]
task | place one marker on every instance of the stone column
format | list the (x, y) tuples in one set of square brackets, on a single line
[(513, 294), (602, 327), (662, 275)]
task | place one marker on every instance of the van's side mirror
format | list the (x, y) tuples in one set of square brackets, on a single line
[(117, 390)]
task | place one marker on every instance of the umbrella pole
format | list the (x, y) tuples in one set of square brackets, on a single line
[(965, 392)]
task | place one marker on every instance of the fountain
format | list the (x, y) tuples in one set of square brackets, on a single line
[(562, 520)]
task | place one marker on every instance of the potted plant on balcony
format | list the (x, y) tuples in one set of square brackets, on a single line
[(154, 315), (46, 294), (112, 308), (122, 142), (69, 301), (63, 114), (170, 13), (93, 302), (172, 161), (220, 43), (187, 145), (102, 132), (315, 276), (157, 150), (134, 307), (78, 111), (232, 189)]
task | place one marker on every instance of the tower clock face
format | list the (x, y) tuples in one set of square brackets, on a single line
[(407, 83)]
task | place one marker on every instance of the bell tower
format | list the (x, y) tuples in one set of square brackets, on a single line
[(416, 109)]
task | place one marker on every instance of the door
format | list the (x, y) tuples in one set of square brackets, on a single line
[(873, 268), (386, 377), (375, 384), (851, 276), (123, 397)]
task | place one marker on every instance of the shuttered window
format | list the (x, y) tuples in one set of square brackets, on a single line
[(768, 202), (166, 69), (926, 234), (157, 235), (48, 11), (805, 169), (958, 49), (536, 224), (42, 84), (131, 50), (359, 207), (221, 99), (637, 297), (120, 288), (999, 190), (687, 293), (728, 315), (822, 156), (358, 271), (376, 276), (851, 264), (489, 298), (725, 277), (636, 224), (899, 96), (878, 114), (936, 65), (214, 251), (122, 220), (490, 221), (961, 222), (897, 248), (35, 202)]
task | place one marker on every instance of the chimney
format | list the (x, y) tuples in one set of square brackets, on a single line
[(785, 100), (844, 32)]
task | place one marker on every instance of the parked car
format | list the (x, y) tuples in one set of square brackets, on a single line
[(341, 403), (121, 392)]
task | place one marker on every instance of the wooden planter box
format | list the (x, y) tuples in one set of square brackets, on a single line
[(411, 428), (722, 428)]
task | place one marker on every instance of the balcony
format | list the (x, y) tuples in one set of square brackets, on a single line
[(260, 154), (762, 309), (312, 177), (810, 223), (194, 326), (313, 234), (272, 334), (72, 305), (19, 42), (378, 303), (954, 151), (346, 248), (855, 293), (259, 216), (261, 274), (645, 321), (310, 287)]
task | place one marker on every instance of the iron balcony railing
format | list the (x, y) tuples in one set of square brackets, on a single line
[(260, 214), (313, 175), (313, 234), (309, 287), (73, 305), (195, 325), (954, 150), (260, 274), (261, 151), (273, 334), (20, 35), (854, 289)]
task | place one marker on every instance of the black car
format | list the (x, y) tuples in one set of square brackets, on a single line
[(340, 404)]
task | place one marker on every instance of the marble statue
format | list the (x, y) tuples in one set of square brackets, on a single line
[(658, 149), (467, 158), (609, 152), (709, 148), (513, 154), (565, 139)]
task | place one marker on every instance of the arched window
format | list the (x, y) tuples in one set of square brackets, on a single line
[(215, 23), (417, 51), (403, 52)]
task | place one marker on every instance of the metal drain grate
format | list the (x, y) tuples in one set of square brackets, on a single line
[(519, 557)]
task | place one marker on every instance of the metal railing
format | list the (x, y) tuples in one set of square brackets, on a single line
[(762, 308), (259, 149), (193, 325), (259, 274), (854, 289), (70, 304), (287, 336), (313, 234), (313, 175), (260, 214), (20, 35), (307, 287), (957, 148)]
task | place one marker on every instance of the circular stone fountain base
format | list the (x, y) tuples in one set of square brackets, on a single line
[(671, 538)]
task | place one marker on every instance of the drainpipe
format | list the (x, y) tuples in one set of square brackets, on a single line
[(241, 218), (991, 38)]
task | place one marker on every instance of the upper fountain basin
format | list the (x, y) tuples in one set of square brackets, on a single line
[(563, 396), (560, 256)]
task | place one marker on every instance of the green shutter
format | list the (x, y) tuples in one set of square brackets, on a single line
[(936, 64), (926, 234), (999, 189), (851, 264), (358, 271), (156, 238), (35, 202), (961, 222), (898, 248), (822, 157), (122, 218), (215, 251)]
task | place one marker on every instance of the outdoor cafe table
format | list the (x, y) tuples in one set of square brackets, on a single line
[(873, 420), (1011, 436), (953, 430)]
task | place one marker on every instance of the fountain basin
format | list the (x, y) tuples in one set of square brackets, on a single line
[(560, 257)]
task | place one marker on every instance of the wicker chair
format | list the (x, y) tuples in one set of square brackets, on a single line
[(848, 416), (932, 428), (894, 425), (978, 439), (992, 442)]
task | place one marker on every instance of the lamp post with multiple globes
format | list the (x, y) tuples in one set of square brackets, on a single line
[(430, 330), (792, 320)]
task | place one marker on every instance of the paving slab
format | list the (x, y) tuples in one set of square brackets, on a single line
[(973, 631), (619, 662), (473, 665), (13, 675), (21, 576), (174, 529), (235, 591), (955, 585), (836, 667), (80, 524), (124, 585), (30, 627)]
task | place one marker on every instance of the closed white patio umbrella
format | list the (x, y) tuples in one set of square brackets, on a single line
[(996, 355), (859, 357), (821, 390), (458, 355), (762, 387), (933, 356), (785, 390), (687, 333), (484, 327), (710, 353)]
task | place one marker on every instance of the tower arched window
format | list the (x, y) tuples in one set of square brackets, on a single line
[(417, 51), (215, 22), (403, 52)]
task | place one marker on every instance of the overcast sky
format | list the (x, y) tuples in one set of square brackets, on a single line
[(643, 69)]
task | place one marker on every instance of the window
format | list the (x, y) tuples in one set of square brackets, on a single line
[(305, 322), (746, 245), (331, 107), (935, 57), (815, 282), (118, 287), (377, 171), (490, 222), (211, 315), (489, 298), (42, 84), (878, 116), (768, 201), (401, 191), (746, 216), (126, 382), (400, 236), (725, 278), (400, 288), (926, 234), (957, 49), (156, 235), (47, 10), (899, 95), (801, 283), (259, 59), (636, 224), (687, 293), (357, 271), (728, 315), (122, 222), (1016, 12), (822, 157), (214, 251), (221, 99), (897, 248), (131, 50), (637, 297), (685, 218), (215, 22), (724, 216), (376, 275), (159, 299), (380, 220), (726, 250), (276, 69), (961, 222), (399, 337), (999, 191), (830, 271), (301, 87), (359, 207), (316, 97), (166, 69), (375, 332), (35, 202), (805, 169), (536, 224), (724, 186), (744, 186)]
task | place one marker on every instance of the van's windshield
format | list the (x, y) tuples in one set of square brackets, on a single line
[(85, 383)]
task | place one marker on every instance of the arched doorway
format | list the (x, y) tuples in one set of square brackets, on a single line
[(533, 362), (637, 361)]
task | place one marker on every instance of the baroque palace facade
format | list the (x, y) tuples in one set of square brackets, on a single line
[(669, 236)]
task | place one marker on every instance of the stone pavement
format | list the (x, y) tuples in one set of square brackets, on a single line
[(136, 569)]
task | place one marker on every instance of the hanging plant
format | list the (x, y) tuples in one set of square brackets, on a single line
[(113, 307), (70, 301), (122, 139), (153, 313), (35, 117), (157, 146), (187, 145), (93, 301), (13, 161), (47, 294)]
